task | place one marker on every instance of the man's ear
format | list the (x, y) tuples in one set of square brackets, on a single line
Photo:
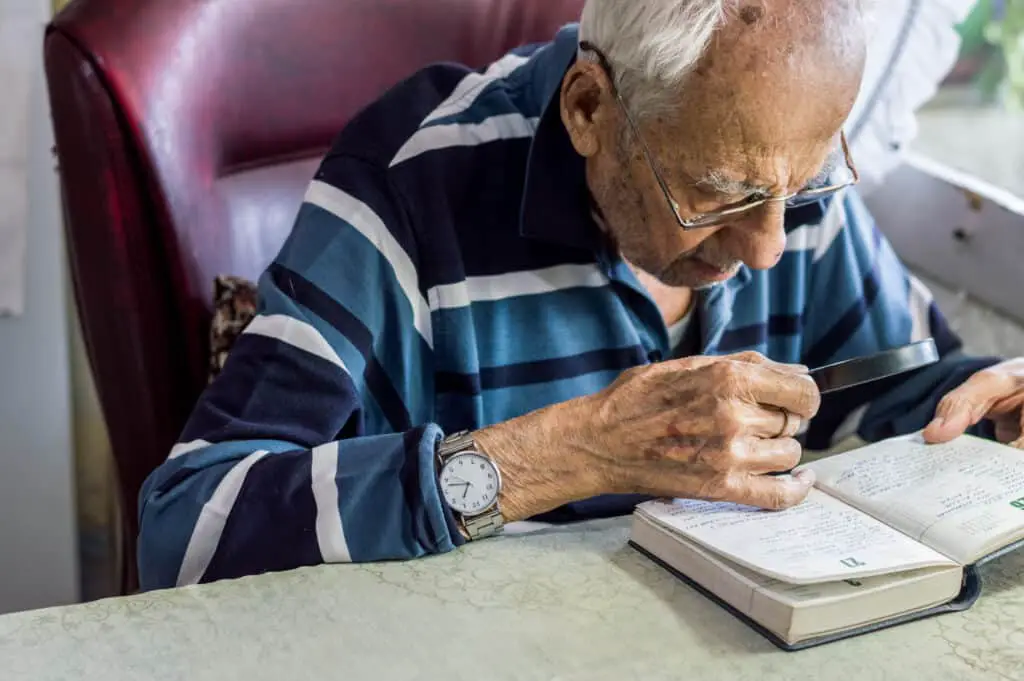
[(586, 99)]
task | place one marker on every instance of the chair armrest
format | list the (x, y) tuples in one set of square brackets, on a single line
[(959, 230)]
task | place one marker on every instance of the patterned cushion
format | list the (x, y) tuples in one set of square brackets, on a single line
[(234, 306)]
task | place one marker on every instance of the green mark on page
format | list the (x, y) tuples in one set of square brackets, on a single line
[(1018, 504)]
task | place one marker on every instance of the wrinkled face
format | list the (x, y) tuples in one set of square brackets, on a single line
[(751, 122)]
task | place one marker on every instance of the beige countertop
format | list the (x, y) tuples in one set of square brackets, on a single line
[(569, 604)]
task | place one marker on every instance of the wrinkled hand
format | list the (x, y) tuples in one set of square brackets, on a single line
[(996, 393), (705, 428), (698, 428)]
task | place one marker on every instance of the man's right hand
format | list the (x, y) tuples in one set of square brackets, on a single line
[(699, 428)]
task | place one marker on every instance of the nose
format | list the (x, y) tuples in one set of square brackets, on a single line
[(759, 239)]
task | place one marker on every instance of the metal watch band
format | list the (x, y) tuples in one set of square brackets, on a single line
[(455, 443), (485, 524)]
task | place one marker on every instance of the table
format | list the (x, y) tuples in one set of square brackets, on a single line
[(572, 603)]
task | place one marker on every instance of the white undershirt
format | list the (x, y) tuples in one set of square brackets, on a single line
[(677, 332)]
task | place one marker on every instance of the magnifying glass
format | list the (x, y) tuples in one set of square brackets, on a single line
[(859, 370)]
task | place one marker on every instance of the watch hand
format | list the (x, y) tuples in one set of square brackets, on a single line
[(466, 491)]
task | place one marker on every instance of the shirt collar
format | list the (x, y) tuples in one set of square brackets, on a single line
[(556, 201)]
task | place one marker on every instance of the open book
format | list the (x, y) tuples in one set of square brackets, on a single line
[(892, 532)]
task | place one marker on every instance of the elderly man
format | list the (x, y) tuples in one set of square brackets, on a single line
[(592, 273)]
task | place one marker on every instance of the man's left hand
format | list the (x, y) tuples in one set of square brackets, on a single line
[(996, 393)]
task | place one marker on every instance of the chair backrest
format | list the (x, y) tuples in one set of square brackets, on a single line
[(186, 132)]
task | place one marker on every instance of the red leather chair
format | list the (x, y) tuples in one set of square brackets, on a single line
[(186, 132)]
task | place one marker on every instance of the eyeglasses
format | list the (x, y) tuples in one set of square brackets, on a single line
[(817, 190)]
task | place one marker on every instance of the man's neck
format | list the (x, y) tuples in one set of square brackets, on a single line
[(672, 302)]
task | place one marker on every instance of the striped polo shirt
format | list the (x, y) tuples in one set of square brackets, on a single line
[(445, 273)]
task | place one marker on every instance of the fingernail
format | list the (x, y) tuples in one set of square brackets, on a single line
[(806, 476)]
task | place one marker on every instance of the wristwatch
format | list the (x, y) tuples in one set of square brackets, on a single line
[(470, 484)]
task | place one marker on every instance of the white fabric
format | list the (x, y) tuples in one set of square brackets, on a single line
[(913, 47), (508, 126), (212, 518), (514, 284), (433, 137), (297, 333), (466, 92), (677, 331), (920, 304), (183, 448), (819, 237), (330, 531)]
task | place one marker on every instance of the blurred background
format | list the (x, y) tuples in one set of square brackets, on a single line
[(944, 94)]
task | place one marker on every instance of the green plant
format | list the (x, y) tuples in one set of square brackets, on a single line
[(1005, 30), (992, 49)]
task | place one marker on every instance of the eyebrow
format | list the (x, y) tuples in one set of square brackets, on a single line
[(720, 183), (827, 168)]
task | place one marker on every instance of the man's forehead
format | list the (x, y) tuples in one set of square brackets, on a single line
[(777, 64), (736, 147)]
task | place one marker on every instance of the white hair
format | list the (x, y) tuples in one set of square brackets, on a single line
[(653, 45)]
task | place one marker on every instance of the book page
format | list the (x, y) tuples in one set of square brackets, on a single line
[(798, 611), (964, 498), (820, 540)]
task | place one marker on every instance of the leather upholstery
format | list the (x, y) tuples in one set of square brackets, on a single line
[(186, 132)]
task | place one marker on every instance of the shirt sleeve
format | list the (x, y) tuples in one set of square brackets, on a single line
[(315, 442), (862, 300)]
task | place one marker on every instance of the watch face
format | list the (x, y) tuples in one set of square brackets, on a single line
[(469, 483)]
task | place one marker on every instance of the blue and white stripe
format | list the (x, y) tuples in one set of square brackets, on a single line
[(441, 277)]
